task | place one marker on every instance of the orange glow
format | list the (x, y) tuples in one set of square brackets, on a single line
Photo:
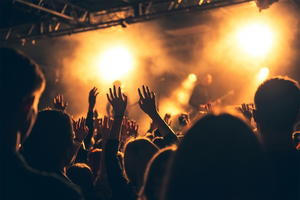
[(183, 96), (192, 78), (263, 74), (256, 39), (171, 107), (187, 84), (115, 63)]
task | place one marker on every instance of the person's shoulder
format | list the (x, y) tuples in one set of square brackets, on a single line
[(19, 181), (51, 185)]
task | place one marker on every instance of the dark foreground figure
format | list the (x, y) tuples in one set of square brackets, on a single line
[(22, 84)]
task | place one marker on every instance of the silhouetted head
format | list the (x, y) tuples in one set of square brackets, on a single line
[(22, 83), (81, 175), (207, 80), (137, 154), (94, 157), (219, 158), (277, 102), (50, 145), (155, 172)]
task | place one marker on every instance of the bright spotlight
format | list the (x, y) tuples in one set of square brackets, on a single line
[(115, 63), (263, 74), (256, 39), (192, 78)]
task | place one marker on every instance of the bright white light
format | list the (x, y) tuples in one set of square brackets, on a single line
[(192, 78), (256, 39), (263, 74), (115, 63)]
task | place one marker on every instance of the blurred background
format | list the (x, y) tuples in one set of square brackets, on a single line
[(167, 45)]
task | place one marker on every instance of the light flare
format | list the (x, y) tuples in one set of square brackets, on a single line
[(263, 74), (256, 39), (115, 63), (192, 78)]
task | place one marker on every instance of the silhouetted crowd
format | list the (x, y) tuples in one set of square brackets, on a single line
[(49, 155)]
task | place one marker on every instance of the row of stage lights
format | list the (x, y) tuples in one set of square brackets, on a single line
[(116, 62)]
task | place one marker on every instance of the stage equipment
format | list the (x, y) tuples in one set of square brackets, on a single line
[(27, 20)]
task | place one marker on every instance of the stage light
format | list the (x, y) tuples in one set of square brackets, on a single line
[(256, 39), (183, 96), (115, 63), (192, 78), (187, 84), (263, 74)]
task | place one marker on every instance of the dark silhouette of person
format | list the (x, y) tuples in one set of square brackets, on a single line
[(22, 84)]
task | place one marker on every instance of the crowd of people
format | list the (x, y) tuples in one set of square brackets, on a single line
[(47, 154)]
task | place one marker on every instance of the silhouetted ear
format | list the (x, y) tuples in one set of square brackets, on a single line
[(255, 116)]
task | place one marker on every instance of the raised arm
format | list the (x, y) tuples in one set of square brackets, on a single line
[(104, 129), (81, 132), (119, 103), (115, 176), (147, 104), (89, 119)]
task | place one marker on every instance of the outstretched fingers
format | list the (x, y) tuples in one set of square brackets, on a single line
[(140, 94), (119, 92), (146, 94), (115, 92)]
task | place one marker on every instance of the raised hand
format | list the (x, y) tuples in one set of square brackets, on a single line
[(81, 131), (59, 103), (133, 128), (92, 97), (184, 119), (167, 119), (96, 114), (147, 101), (246, 111), (104, 127), (118, 101), (125, 129), (147, 104), (209, 108)]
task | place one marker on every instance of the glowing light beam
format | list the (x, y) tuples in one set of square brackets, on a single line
[(256, 39)]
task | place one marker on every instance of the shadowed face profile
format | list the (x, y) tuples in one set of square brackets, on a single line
[(22, 83)]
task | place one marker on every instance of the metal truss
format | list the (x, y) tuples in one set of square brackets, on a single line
[(58, 17)]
